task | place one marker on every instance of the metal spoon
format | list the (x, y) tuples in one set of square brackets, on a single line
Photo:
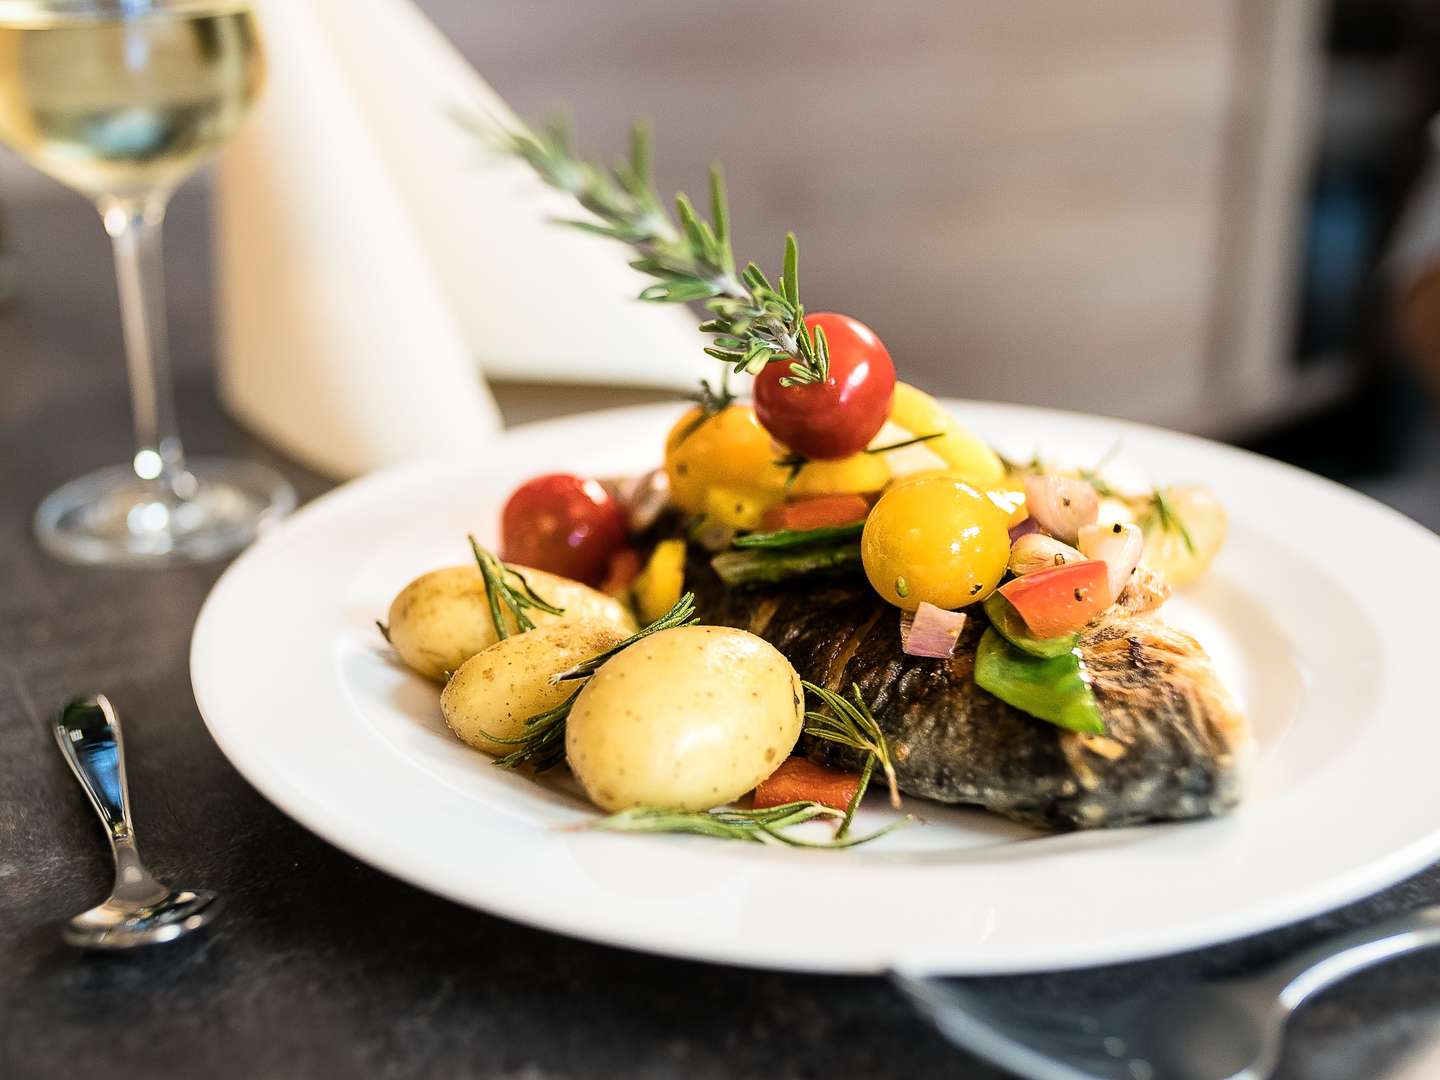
[(139, 910)]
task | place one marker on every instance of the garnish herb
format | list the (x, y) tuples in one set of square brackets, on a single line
[(541, 744), (902, 587), (500, 595), (1163, 513), (792, 463), (711, 402), (904, 443), (1093, 477), (850, 723), (753, 323), (682, 614), (762, 826), (784, 538)]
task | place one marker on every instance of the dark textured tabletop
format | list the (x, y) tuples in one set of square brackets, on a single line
[(322, 966)]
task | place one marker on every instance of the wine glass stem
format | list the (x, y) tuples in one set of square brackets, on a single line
[(134, 226)]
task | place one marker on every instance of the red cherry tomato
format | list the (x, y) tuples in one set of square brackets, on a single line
[(563, 524), (837, 417), (1060, 600)]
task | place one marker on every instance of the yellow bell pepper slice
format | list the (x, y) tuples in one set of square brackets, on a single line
[(860, 474), (966, 455), (659, 585), (739, 508)]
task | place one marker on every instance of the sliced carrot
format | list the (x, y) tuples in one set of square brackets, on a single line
[(799, 780), (819, 513)]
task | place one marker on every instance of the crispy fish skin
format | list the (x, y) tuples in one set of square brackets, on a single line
[(1173, 746)]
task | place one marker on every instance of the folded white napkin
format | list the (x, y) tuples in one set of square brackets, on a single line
[(377, 262)]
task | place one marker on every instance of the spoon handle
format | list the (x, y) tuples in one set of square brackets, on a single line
[(88, 732)]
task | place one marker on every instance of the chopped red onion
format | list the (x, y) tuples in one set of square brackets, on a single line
[(1118, 546), (931, 631), (1025, 528), (1060, 505)]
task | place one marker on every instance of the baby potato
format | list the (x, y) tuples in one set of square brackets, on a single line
[(688, 718), (441, 619), (503, 685)]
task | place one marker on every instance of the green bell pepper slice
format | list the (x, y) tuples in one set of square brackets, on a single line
[(1009, 624), (1049, 688)]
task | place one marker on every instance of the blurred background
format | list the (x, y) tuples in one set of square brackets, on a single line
[(1212, 216)]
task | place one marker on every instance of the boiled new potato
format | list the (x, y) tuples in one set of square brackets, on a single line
[(689, 718), (503, 685), (441, 619)]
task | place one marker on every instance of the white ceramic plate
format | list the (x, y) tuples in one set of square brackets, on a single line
[(1319, 615)]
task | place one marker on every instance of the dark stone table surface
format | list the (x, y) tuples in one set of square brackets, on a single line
[(322, 966)]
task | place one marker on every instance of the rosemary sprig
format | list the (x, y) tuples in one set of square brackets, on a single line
[(1034, 467), (682, 614), (1163, 513), (850, 723), (712, 402), (541, 742), (1093, 475), (753, 323), (762, 826), (500, 595), (904, 443), (792, 464)]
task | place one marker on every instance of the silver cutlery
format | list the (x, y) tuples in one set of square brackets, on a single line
[(139, 910), (1224, 1029)]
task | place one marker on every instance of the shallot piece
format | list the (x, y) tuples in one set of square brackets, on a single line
[(645, 498), (1061, 505), (1036, 551), (1119, 546), (931, 631)]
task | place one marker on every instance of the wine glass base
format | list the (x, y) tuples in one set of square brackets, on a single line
[(113, 518)]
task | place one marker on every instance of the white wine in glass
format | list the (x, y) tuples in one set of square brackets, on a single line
[(122, 100)]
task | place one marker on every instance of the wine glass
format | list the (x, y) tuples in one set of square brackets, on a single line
[(122, 100)]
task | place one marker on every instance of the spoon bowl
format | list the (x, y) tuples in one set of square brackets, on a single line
[(119, 925)]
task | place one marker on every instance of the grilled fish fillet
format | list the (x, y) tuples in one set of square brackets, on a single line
[(1173, 746)]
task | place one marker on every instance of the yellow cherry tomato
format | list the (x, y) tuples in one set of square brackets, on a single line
[(935, 539), (920, 414), (729, 449), (857, 475), (1007, 498)]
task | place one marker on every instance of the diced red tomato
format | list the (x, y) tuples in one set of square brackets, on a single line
[(799, 780), (564, 524), (818, 513), (1060, 600)]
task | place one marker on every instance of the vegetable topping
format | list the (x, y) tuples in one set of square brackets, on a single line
[(935, 540), (1060, 600)]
